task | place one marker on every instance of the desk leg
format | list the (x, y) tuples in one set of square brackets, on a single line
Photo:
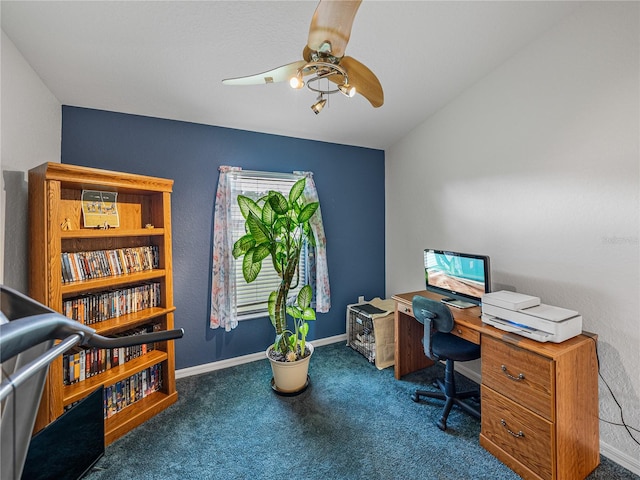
[(409, 352)]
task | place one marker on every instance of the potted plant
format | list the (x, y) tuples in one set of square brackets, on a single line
[(278, 227)]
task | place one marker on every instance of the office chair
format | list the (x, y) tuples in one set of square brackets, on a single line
[(439, 344)]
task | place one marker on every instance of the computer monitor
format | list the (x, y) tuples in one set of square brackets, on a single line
[(460, 276)]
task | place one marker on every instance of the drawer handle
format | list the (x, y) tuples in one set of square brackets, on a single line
[(519, 378), (407, 310), (520, 434), (459, 332)]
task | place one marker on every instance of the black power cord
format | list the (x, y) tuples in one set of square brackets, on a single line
[(622, 422)]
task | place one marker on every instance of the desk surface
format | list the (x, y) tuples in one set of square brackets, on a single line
[(470, 318)]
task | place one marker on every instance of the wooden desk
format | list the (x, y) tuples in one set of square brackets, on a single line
[(539, 400)]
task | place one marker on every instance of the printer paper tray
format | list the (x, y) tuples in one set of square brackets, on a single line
[(523, 330)]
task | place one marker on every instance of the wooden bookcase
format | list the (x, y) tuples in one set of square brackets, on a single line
[(144, 210)]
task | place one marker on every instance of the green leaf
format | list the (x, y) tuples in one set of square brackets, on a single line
[(278, 203), (297, 208), (248, 205), (278, 260), (281, 224), (304, 297), (268, 214), (260, 252), (294, 311), (307, 212), (308, 314), (304, 329), (271, 306), (250, 269), (258, 231), (296, 190), (308, 233), (242, 245)]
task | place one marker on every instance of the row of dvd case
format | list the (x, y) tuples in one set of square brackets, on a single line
[(130, 390), (82, 363), (98, 307), (78, 266)]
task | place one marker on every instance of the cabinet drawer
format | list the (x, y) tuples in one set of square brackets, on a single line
[(404, 308), (524, 377), (466, 333), (526, 437)]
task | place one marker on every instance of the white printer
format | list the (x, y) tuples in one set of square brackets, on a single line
[(526, 316)]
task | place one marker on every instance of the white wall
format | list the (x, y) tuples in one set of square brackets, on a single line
[(537, 165), (31, 123)]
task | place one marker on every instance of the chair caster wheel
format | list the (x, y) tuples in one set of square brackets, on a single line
[(415, 397), (441, 425)]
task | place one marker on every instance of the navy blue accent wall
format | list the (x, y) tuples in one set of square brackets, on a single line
[(350, 182)]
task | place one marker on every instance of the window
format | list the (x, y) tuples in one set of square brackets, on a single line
[(251, 298), (230, 294)]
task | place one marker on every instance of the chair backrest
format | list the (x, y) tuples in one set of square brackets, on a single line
[(435, 316)]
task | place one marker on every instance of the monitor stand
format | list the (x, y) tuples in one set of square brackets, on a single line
[(453, 302)]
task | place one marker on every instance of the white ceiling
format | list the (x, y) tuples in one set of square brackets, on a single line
[(167, 59)]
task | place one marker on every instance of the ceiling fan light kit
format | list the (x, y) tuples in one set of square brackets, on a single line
[(322, 70), (347, 90), (324, 59), (296, 82), (319, 105)]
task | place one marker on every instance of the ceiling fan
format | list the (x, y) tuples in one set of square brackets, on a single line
[(323, 58)]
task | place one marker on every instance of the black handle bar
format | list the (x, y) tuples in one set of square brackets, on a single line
[(25, 323), (19, 335), (39, 324)]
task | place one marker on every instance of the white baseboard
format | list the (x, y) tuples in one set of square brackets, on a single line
[(232, 362), (621, 458)]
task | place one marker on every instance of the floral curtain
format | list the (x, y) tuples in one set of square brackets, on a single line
[(317, 273), (223, 285)]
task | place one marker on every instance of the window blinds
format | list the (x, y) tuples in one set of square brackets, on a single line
[(252, 297)]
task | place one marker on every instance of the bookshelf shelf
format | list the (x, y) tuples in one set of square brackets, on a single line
[(126, 322), (112, 232), (110, 282), (57, 233), (137, 414)]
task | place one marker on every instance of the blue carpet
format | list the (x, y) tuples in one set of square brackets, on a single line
[(353, 422)]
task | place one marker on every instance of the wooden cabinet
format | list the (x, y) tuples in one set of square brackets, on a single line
[(540, 406), (57, 231)]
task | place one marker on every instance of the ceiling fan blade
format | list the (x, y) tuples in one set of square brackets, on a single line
[(365, 81), (306, 53), (280, 74), (331, 23)]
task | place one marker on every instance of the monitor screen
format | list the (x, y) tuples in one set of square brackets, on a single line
[(463, 276)]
